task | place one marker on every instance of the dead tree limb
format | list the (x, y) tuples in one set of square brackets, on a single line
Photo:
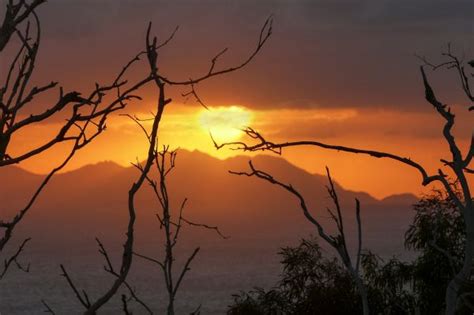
[(459, 164), (14, 260), (108, 267), (86, 115), (165, 162), (16, 13), (48, 309), (160, 82), (338, 241)]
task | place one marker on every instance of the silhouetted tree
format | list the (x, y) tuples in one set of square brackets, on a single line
[(171, 227), (391, 285), (310, 284), (438, 233), (160, 82), (86, 115), (458, 163), (337, 241), (314, 284)]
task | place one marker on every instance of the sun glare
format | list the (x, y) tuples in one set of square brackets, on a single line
[(225, 123)]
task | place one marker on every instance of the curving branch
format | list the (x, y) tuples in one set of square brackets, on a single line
[(108, 267), (453, 62), (264, 145), (459, 163), (127, 255), (48, 309), (153, 157), (86, 115), (265, 33), (337, 241), (82, 297), (16, 13), (14, 260), (165, 162), (269, 178)]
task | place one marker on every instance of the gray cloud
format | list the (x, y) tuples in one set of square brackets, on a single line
[(330, 53)]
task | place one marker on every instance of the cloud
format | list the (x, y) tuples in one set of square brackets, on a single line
[(343, 124), (323, 54)]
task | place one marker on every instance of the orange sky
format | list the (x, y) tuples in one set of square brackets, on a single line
[(186, 126), (337, 72)]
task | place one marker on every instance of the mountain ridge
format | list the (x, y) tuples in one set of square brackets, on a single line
[(94, 197), (112, 167), (260, 218)]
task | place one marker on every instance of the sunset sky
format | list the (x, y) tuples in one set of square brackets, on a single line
[(342, 72)]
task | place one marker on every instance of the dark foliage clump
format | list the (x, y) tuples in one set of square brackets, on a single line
[(314, 284)]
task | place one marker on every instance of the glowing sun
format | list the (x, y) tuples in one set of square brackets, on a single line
[(225, 123)]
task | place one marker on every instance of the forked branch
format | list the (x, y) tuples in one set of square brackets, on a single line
[(337, 241)]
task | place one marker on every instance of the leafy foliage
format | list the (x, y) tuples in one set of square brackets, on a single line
[(390, 284), (309, 282), (438, 234), (314, 284)]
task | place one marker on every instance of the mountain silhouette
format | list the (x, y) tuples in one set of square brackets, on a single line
[(260, 218), (94, 197)]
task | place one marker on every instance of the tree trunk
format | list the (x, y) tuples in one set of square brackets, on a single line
[(171, 306), (363, 295), (455, 285)]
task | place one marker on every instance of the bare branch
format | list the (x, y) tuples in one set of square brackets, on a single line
[(128, 246), (332, 193), (149, 259), (48, 309), (359, 235), (125, 305), (267, 177), (138, 122), (453, 62), (83, 299), (10, 226), (168, 39), (338, 242), (206, 227), (97, 118), (87, 119), (14, 260), (14, 16), (185, 270), (110, 269), (264, 145), (458, 163), (265, 34), (195, 95)]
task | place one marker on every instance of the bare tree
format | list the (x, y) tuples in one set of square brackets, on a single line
[(459, 164), (160, 82), (86, 115), (16, 12), (165, 163), (338, 241)]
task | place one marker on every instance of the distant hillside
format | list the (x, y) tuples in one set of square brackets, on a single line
[(94, 199), (259, 217), (400, 199)]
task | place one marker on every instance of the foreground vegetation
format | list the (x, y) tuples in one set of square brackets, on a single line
[(313, 283)]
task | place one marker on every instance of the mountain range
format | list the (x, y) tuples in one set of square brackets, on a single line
[(258, 217), (95, 198)]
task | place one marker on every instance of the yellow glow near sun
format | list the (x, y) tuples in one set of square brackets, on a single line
[(225, 123)]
